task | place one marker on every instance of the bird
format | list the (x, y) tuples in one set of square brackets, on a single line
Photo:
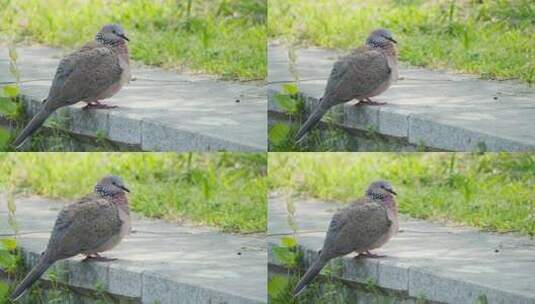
[(365, 224), (94, 224), (366, 72), (96, 71)]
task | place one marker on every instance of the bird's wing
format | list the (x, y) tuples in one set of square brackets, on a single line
[(84, 225), (356, 227), (357, 75), (84, 74)]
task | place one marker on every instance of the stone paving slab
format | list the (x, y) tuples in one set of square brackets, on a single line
[(437, 109), (161, 110), (159, 262), (441, 263)]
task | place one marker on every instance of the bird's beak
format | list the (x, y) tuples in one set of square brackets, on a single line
[(123, 36), (125, 189), (392, 191), (391, 39)]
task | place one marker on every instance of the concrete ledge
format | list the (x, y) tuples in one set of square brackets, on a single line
[(424, 261), (436, 109), (159, 111), (159, 263)]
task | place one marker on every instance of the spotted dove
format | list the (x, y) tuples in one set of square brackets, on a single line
[(94, 224), (365, 224), (96, 71), (368, 71)]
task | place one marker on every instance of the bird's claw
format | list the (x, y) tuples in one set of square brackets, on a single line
[(369, 102), (97, 258), (97, 105), (371, 255)]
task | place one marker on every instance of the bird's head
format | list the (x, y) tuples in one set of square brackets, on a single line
[(380, 189), (110, 185), (111, 34), (380, 38)]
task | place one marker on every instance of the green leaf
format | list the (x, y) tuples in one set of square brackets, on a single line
[(276, 285), (285, 256), (290, 89), (8, 261), (11, 91), (278, 133), (286, 103), (8, 108), (4, 138), (9, 244), (289, 242), (4, 289)]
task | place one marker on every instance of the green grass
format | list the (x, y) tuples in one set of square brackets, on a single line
[(227, 190), (495, 39), (226, 38), (489, 191)]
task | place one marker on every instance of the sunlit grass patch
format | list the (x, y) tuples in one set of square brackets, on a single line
[(221, 189), (489, 191), (226, 38), (495, 39)]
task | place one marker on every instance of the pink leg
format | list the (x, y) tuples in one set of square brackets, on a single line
[(372, 255), (367, 101), (98, 105), (97, 257)]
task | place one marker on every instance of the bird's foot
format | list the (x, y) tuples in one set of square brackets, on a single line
[(369, 102), (98, 258), (371, 255), (97, 105)]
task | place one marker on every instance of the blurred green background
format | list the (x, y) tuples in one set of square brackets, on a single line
[(492, 191), (223, 37), (227, 190), (492, 38)]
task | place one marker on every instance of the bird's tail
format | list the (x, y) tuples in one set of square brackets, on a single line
[(311, 121), (42, 265), (34, 124), (311, 273)]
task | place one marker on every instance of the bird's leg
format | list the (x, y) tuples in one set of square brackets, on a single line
[(97, 257), (368, 101), (89, 105), (372, 255), (98, 105)]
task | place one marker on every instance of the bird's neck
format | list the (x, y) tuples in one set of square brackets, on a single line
[(118, 46), (390, 204), (384, 199), (121, 201), (121, 48), (388, 48)]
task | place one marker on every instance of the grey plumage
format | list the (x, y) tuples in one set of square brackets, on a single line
[(97, 71), (94, 224), (364, 225), (368, 71)]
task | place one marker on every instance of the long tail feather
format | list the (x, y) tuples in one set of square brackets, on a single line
[(311, 273), (311, 122), (36, 122), (30, 278)]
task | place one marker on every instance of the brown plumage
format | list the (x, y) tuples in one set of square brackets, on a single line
[(96, 71), (94, 224), (364, 225), (368, 71)]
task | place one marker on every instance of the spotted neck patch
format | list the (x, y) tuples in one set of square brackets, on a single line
[(111, 42)]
